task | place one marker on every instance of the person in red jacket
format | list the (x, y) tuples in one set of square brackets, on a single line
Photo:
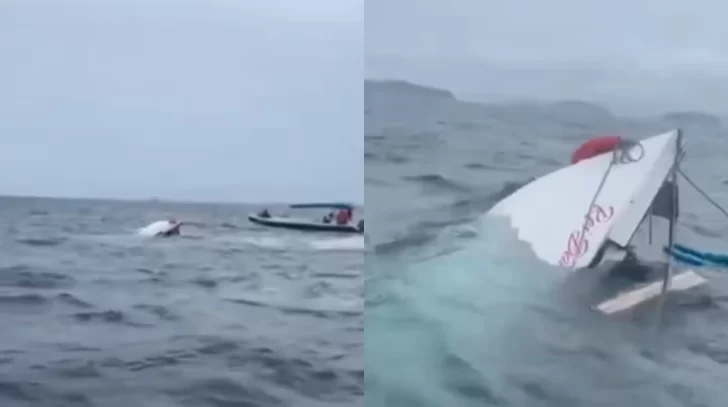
[(343, 217)]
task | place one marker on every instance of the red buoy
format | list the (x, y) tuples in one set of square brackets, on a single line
[(596, 146)]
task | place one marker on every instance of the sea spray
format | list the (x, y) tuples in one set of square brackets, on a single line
[(445, 316)]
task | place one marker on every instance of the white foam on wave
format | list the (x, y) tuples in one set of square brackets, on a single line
[(425, 313), (270, 242), (350, 243), (267, 242)]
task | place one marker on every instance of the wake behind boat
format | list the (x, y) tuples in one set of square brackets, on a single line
[(342, 222)]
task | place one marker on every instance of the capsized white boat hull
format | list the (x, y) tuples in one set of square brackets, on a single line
[(553, 214), (158, 228)]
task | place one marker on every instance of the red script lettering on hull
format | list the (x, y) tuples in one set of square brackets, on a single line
[(578, 243)]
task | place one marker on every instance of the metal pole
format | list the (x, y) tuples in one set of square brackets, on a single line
[(673, 218), (649, 220)]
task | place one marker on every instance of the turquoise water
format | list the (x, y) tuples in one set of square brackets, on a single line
[(442, 323), (489, 325)]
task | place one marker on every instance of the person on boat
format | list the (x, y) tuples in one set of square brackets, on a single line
[(343, 217), (328, 218), (264, 213), (596, 146)]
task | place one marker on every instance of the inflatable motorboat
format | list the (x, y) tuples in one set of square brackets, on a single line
[(327, 224), (305, 224)]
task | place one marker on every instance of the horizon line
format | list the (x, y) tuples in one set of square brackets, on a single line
[(160, 200)]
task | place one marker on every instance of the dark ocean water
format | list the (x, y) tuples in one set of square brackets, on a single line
[(227, 315), (458, 313)]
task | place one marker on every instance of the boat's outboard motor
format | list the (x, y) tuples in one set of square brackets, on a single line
[(360, 225)]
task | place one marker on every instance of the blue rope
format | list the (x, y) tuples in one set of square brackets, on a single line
[(692, 256), (696, 258)]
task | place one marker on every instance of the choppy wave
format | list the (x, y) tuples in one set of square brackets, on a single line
[(461, 308), (97, 316)]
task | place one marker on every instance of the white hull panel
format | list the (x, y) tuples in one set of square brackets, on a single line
[(157, 228), (630, 299), (549, 213)]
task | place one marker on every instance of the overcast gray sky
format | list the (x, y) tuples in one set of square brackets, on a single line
[(254, 100), (668, 52)]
